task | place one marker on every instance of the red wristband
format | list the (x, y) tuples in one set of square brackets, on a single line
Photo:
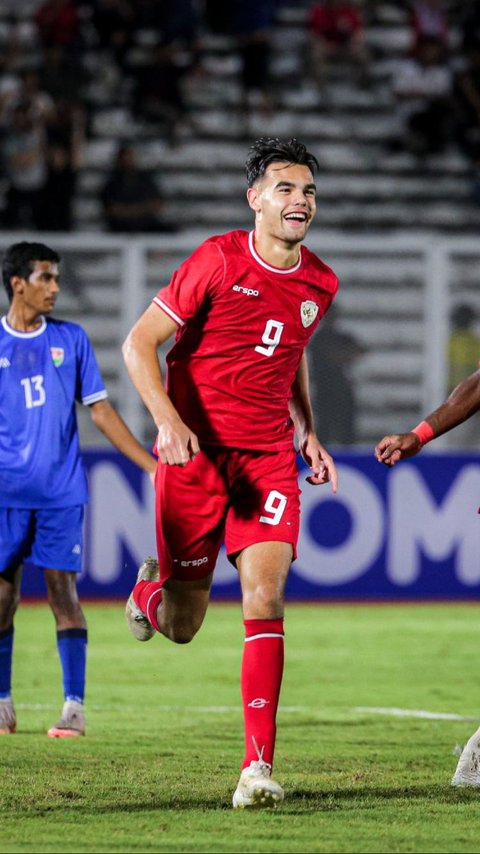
[(424, 432)]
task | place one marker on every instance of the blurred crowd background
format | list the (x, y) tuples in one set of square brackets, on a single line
[(97, 98)]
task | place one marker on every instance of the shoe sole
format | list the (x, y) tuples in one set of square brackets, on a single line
[(259, 799), (63, 733), (462, 782), (142, 630)]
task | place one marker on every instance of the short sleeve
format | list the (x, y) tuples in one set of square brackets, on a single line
[(193, 284)]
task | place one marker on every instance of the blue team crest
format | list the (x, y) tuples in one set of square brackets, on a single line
[(57, 355), (308, 312)]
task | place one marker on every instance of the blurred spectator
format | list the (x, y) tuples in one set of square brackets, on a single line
[(335, 31), (149, 15), (58, 23), (218, 17), (24, 165), (469, 25), (429, 20), (180, 23), (158, 95), (60, 76), (131, 199), (114, 22), (65, 145), (423, 87), (331, 355), (467, 105), (252, 23), (25, 89)]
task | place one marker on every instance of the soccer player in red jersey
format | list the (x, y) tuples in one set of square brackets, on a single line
[(242, 308), (461, 404)]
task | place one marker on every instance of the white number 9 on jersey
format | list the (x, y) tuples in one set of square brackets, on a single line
[(270, 338), (275, 506)]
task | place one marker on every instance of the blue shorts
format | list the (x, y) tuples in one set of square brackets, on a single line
[(51, 539)]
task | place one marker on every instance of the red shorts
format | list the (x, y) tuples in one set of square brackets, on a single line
[(237, 496)]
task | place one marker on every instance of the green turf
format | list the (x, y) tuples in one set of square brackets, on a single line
[(164, 741)]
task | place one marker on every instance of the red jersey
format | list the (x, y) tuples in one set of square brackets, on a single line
[(243, 327)]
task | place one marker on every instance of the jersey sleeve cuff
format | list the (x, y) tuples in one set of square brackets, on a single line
[(166, 308), (93, 398)]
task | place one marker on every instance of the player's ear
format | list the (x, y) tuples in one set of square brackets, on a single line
[(17, 284), (253, 198)]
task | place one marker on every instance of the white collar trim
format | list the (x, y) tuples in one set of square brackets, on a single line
[(264, 264), (17, 334)]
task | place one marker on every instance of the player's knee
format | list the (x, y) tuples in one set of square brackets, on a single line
[(182, 634), (266, 600), (182, 630)]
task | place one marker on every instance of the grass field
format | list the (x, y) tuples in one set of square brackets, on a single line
[(164, 740)]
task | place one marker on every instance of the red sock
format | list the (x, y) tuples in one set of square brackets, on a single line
[(262, 671), (147, 595)]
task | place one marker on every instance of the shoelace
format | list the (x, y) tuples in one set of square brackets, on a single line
[(260, 765)]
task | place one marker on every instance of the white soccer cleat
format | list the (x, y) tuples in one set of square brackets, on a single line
[(72, 722), (468, 768), (256, 788), (8, 721), (137, 622)]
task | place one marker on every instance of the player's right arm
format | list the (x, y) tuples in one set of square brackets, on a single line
[(460, 405), (176, 444)]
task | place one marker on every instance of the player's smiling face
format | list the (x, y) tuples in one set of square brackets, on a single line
[(39, 292), (284, 202)]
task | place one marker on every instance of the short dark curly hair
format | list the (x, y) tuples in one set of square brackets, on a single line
[(19, 259), (268, 149)]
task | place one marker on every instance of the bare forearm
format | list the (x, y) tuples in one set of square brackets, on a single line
[(144, 370), (463, 402), (109, 422), (300, 405)]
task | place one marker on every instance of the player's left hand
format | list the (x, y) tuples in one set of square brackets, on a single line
[(322, 466)]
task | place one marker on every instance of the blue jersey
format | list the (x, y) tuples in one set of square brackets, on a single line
[(42, 374)]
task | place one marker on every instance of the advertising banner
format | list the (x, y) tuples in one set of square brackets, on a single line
[(410, 532)]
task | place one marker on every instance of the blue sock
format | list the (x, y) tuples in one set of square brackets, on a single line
[(6, 654), (72, 649)]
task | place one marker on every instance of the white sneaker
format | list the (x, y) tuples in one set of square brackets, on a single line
[(72, 722), (137, 622), (468, 768), (256, 787), (8, 722)]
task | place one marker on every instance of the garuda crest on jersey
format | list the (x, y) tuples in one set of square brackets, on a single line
[(57, 355), (308, 312)]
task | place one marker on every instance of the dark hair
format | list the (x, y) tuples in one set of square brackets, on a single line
[(19, 259), (267, 150)]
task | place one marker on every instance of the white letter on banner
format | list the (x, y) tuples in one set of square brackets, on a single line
[(117, 515), (419, 524), (353, 558)]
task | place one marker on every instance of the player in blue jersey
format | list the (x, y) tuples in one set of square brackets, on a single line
[(47, 365)]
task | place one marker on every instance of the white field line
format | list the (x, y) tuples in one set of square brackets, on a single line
[(413, 713)]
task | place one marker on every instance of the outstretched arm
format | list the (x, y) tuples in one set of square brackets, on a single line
[(176, 443), (463, 402), (112, 425), (321, 464)]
